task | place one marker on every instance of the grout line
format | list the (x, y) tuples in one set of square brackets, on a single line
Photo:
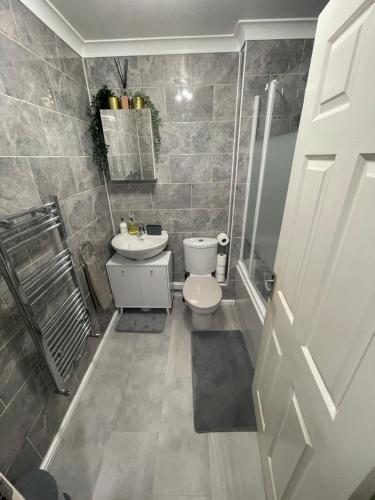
[(17, 332), (34, 447), (15, 23), (35, 184), (139, 72), (53, 90)]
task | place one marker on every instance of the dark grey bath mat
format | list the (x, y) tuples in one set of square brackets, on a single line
[(222, 378), (137, 321)]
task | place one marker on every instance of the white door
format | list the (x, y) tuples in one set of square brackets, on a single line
[(314, 386)]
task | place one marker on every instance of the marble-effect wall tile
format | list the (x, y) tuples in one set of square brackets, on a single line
[(53, 177), (102, 71), (24, 75), (189, 103), (18, 190), (214, 68), (265, 57), (62, 134), (164, 70)]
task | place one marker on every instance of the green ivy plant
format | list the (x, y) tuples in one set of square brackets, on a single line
[(156, 121), (100, 148)]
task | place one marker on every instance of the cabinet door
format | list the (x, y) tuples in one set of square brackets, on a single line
[(125, 286), (154, 286)]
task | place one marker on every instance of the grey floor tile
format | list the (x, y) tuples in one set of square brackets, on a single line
[(140, 407), (179, 356), (128, 466), (76, 468), (235, 468), (117, 351), (182, 464), (157, 342), (222, 319)]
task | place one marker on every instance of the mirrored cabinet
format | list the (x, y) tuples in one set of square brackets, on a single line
[(128, 135)]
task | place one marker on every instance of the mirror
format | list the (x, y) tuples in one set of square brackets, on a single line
[(128, 135)]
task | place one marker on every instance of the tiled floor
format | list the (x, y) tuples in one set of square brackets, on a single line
[(132, 437)]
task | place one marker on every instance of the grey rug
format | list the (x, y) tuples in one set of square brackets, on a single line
[(222, 379), (137, 321)]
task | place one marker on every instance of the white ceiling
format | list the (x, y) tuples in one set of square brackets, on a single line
[(134, 19)]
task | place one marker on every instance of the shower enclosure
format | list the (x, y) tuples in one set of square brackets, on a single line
[(273, 139)]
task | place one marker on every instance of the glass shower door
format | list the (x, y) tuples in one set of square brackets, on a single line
[(280, 134)]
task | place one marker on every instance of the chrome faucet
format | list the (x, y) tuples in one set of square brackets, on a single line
[(141, 229)]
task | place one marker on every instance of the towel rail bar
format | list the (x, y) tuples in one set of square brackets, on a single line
[(33, 238), (67, 352), (60, 325), (33, 228), (42, 272), (61, 338), (53, 279), (30, 211), (82, 340), (15, 228), (58, 316)]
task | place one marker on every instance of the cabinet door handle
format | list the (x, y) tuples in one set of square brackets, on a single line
[(151, 272)]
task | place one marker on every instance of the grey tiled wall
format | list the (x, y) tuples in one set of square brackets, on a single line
[(45, 150), (196, 96), (285, 60)]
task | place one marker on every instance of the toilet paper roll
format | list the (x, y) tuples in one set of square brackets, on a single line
[(223, 239), (221, 259), (220, 277), (220, 269)]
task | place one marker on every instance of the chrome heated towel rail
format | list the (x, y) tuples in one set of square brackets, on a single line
[(61, 337)]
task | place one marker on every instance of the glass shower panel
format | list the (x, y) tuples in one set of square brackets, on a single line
[(255, 154), (278, 150)]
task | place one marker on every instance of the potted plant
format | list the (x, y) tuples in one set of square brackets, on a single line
[(99, 148), (156, 122)]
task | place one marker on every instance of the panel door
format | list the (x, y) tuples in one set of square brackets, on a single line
[(314, 379), (154, 287), (125, 286)]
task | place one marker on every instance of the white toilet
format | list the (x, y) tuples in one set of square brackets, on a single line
[(201, 291)]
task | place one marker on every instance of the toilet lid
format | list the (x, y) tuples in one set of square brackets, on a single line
[(202, 291)]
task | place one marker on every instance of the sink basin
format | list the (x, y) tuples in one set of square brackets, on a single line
[(139, 247)]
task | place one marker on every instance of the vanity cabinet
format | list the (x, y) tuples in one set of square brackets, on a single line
[(141, 283)]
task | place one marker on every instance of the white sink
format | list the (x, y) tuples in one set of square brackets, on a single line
[(139, 247)]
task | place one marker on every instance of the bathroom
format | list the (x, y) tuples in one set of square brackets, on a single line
[(183, 200)]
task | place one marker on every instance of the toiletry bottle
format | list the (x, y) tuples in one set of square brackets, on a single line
[(132, 226), (123, 226)]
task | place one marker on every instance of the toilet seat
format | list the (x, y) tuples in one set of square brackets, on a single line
[(202, 292)]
